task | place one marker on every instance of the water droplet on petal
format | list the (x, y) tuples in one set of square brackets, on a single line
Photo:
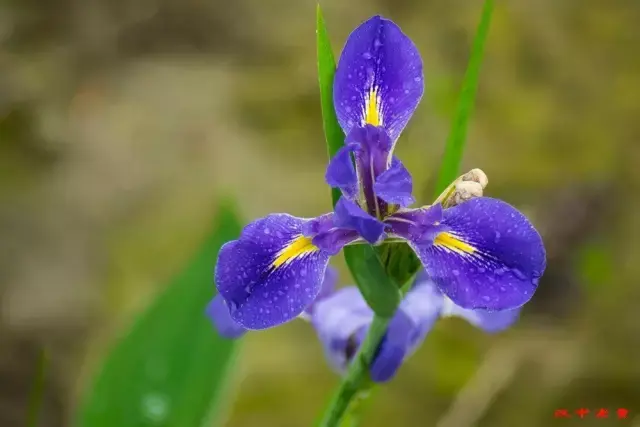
[(366, 55), (455, 272), (519, 274), (486, 298)]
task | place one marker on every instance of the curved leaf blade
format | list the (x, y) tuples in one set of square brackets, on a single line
[(171, 368)]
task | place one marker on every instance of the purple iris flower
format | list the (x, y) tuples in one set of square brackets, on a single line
[(482, 254), (342, 321)]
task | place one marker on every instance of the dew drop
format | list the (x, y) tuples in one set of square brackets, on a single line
[(267, 231), (486, 298), (233, 307), (366, 55), (377, 43), (455, 272), (519, 274)]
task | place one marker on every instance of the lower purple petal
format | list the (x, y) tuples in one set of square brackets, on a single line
[(218, 312), (487, 256), (271, 273), (337, 320), (415, 317), (488, 321), (327, 289)]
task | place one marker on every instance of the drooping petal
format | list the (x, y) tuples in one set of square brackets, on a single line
[(218, 312), (486, 255), (348, 215), (328, 288), (379, 79), (338, 320), (341, 173), (488, 321), (271, 273), (415, 317), (395, 185)]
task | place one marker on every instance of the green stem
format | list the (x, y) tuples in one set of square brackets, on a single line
[(357, 378), (37, 391)]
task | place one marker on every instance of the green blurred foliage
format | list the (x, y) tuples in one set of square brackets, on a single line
[(120, 121)]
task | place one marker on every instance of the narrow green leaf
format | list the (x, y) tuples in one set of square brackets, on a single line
[(171, 368), (363, 262), (449, 169), (326, 71), (376, 287)]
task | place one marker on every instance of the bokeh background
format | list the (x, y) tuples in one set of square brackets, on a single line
[(121, 121)]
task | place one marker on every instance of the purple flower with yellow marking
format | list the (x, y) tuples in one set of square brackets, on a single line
[(481, 254), (342, 321)]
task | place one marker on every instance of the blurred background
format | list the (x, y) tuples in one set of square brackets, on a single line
[(121, 121)]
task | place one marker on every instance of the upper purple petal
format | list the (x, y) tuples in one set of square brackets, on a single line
[(381, 68), (218, 312), (348, 215), (337, 320), (341, 173), (486, 255), (271, 273), (395, 185)]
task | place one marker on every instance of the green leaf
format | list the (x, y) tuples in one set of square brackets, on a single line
[(171, 368), (378, 289), (326, 71), (449, 169)]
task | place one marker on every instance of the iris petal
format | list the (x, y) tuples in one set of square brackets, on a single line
[(218, 312), (415, 317), (348, 215), (487, 255), (379, 79), (328, 288), (341, 172), (395, 185), (271, 274), (488, 321), (337, 320)]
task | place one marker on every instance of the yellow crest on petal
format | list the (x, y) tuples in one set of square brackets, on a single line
[(298, 247), (453, 243), (373, 108)]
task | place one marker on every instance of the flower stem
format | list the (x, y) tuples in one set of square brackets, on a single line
[(357, 378)]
